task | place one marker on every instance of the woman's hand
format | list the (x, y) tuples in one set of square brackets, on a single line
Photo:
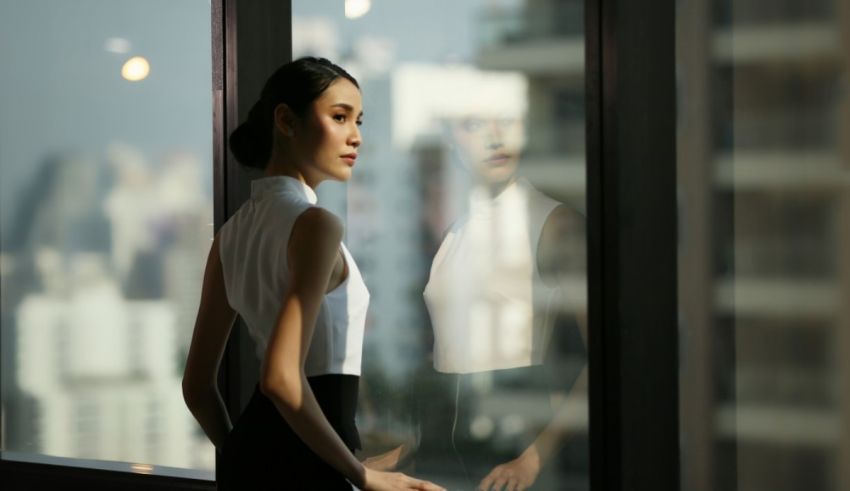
[(395, 481), (517, 475)]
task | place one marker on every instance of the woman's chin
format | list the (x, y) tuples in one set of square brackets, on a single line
[(497, 174), (342, 174)]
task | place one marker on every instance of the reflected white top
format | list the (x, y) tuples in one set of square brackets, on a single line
[(253, 249), (489, 307)]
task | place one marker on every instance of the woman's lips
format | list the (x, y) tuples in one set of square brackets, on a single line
[(499, 159), (350, 158)]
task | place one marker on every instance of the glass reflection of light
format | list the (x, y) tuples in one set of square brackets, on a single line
[(357, 8), (142, 468), (135, 69)]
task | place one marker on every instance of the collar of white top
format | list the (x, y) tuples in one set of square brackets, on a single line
[(268, 184), (481, 203)]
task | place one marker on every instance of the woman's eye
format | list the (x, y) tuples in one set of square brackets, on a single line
[(340, 118), (359, 123)]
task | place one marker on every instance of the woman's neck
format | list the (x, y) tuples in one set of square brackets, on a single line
[(282, 167), (496, 188)]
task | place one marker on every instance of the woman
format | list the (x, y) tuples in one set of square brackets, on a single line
[(507, 318), (279, 263)]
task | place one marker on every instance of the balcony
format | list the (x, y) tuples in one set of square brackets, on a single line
[(779, 425), (778, 43), (758, 12), (780, 299), (545, 40), (782, 170), (782, 127), (521, 25)]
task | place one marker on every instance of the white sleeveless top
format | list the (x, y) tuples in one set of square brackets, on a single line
[(489, 307), (253, 249)]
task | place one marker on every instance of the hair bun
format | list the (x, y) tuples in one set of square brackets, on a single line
[(248, 145)]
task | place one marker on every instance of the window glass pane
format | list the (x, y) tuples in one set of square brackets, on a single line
[(465, 214), (765, 244), (105, 221)]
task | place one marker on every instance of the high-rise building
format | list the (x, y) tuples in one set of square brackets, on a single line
[(763, 214), (763, 179)]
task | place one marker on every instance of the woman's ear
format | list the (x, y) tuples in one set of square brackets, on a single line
[(284, 120)]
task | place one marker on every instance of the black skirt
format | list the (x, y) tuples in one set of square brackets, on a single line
[(262, 452)]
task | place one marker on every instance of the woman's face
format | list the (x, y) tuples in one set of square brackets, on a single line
[(490, 146), (328, 136)]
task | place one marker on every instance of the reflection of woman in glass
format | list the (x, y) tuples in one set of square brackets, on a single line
[(279, 263), (502, 326)]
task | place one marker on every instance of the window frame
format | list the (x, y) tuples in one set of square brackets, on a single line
[(633, 339), (249, 55)]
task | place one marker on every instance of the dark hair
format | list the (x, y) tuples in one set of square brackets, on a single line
[(296, 84)]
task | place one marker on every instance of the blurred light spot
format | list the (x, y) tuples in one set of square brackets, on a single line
[(357, 8), (142, 468), (135, 69), (513, 424), (117, 45), (481, 427)]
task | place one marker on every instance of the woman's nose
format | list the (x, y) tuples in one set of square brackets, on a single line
[(354, 139), (494, 136)]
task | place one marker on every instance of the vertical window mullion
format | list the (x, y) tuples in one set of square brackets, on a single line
[(632, 245), (256, 40)]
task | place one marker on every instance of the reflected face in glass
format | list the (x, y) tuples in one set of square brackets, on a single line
[(330, 133), (489, 146)]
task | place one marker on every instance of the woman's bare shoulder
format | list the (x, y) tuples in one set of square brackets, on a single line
[(316, 227)]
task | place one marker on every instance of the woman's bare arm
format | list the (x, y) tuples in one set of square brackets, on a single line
[(561, 253), (212, 328), (312, 253)]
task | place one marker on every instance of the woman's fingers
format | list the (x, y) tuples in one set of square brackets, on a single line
[(500, 480), (488, 481), (421, 485), (511, 476), (499, 485)]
